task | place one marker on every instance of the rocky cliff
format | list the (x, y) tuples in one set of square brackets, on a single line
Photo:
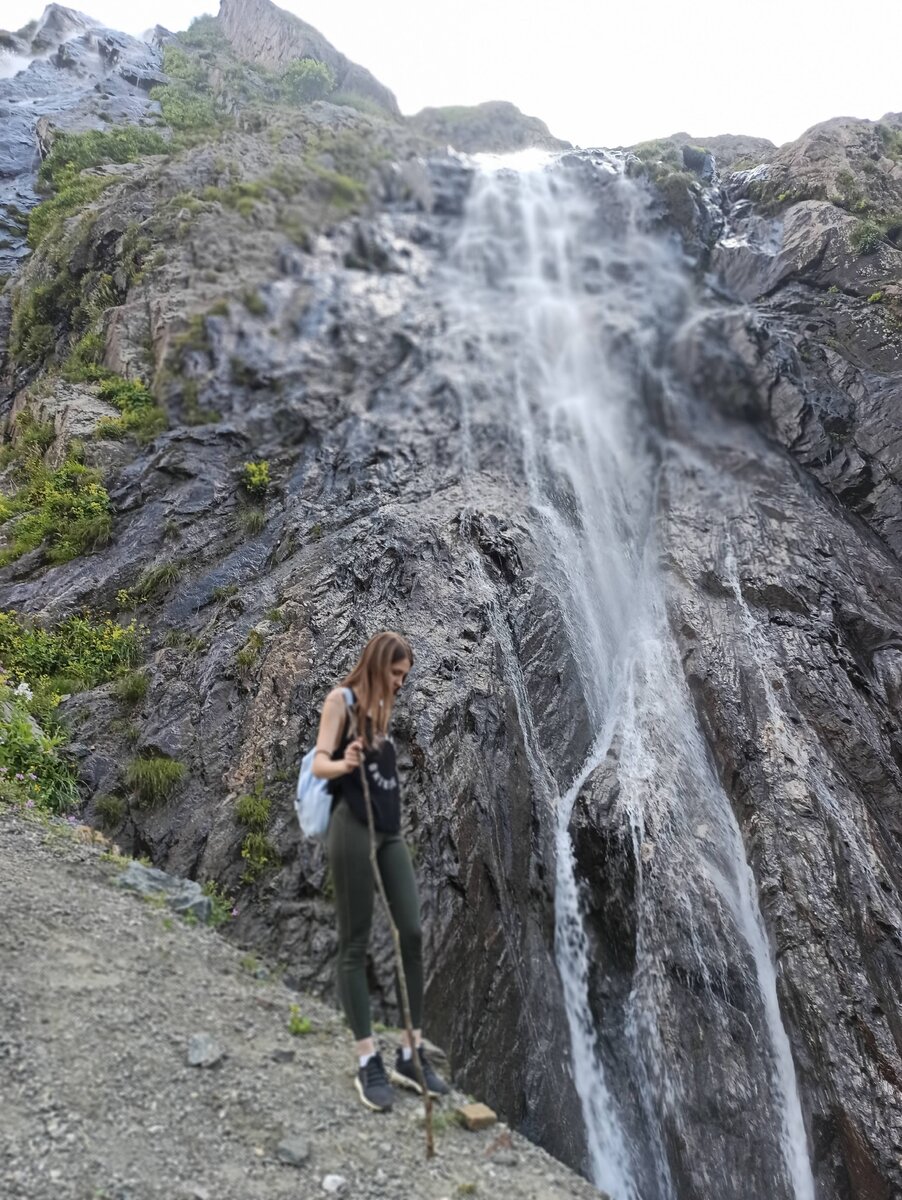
[(262, 33), (269, 286)]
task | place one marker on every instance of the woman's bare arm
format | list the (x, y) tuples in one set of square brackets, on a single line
[(330, 726)]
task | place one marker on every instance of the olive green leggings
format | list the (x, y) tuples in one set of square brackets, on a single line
[(348, 848)]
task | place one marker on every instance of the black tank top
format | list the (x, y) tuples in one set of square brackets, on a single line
[(382, 775)]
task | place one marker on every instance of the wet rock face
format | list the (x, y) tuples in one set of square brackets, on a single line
[(71, 74), (784, 542)]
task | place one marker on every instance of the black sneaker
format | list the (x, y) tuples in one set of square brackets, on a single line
[(404, 1073), (373, 1087)]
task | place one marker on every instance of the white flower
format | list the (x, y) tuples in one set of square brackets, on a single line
[(24, 690)]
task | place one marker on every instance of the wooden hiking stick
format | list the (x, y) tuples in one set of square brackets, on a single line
[(399, 961)]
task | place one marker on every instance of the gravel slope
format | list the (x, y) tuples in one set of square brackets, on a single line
[(101, 995)]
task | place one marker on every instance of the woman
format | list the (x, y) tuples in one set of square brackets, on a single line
[(347, 738)]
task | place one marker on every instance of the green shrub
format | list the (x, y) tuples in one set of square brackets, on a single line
[(875, 297), (256, 478), (77, 151), (252, 809), (205, 33), (866, 237), (223, 905), (154, 581), (132, 688), (298, 1025), (305, 80), (78, 647), (110, 810), (187, 68), (83, 363), (29, 438), (141, 417), (32, 774), (185, 110), (67, 509), (73, 192), (128, 395), (154, 779), (258, 852), (252, 647)]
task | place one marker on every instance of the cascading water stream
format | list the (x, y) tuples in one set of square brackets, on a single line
[(566, 299)]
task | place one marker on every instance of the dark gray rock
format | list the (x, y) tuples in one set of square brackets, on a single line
[(183, 896)]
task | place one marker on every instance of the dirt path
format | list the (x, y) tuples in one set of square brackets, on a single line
[(100, 994)]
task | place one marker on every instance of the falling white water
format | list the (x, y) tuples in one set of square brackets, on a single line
[(560, 300)]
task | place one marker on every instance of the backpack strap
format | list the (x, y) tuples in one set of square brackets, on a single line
[(349, 697)]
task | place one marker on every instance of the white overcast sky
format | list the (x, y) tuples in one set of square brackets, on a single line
[(602, 74)]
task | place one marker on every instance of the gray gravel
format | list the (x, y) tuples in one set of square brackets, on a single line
[(104, 995)]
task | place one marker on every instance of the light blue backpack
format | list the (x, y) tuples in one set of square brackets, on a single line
[(313, 800)]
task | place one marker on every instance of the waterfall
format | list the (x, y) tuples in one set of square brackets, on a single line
[(561, 300)]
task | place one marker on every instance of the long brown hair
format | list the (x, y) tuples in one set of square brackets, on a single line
[(371, 681)]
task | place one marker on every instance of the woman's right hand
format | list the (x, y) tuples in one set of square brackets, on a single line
[(353, 755)]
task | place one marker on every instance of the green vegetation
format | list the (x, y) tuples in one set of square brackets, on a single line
[(204, 33), (875, 297), (78, 648), (73, 193), (110, 810), (67, 510), (154, 779), (252, 809), (83, 362), (132, 688), (32, 773), (256, 479), (29, 439), (259, 853), (247, 655), (240, 196), (298, 1025), (251, 519), (305, 80), (79, 151), (866, 237), (154, 581), (142, 418), (38, 665), (223, 906), (254, 304)]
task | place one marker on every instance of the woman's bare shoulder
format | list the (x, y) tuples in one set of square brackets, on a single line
[(336, 698)]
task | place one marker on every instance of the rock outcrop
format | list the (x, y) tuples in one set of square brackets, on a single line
[(263, 33), (495, 127)]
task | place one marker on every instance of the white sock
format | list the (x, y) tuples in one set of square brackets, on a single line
[(406, 1053), (364, 1059)]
